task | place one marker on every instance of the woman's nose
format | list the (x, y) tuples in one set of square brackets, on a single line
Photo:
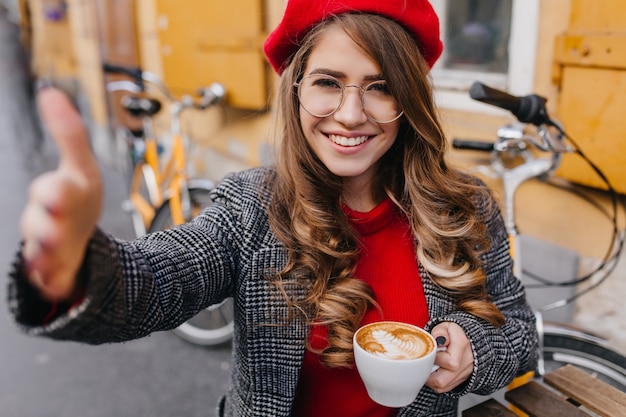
[(351, 112)]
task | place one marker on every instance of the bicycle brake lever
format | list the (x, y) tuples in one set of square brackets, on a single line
[(211, 95)]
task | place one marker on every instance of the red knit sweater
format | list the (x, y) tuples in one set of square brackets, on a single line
[(388, 264)]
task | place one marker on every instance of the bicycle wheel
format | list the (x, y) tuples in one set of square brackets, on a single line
[(564, 345), (200, 198), (213, 325)]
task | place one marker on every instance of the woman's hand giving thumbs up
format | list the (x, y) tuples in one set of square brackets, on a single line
[(64, 205)]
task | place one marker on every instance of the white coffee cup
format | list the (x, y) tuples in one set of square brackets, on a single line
[(394, 361)]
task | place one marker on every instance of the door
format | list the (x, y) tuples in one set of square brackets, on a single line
[(591, 73)]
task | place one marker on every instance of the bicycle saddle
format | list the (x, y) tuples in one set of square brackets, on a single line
[(141, 106)]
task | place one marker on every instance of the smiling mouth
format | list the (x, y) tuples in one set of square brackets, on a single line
[(349, 142)]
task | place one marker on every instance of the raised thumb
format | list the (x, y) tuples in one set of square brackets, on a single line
[(66, 127)]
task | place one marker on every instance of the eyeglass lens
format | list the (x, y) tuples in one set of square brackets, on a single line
[(322, 95)]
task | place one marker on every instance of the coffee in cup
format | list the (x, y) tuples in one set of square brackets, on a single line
[(394, 360)]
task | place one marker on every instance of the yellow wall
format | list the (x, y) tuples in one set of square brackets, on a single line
[(53, 51), (590, 69), (236, 131), (67, 51), (214, 41), (86, 43)]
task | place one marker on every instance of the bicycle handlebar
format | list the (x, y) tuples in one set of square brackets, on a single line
[(209, 96), (139, 77), (472, 145), (133, 72), (527, 109)]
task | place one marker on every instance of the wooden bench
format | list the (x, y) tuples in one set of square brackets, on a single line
[(566, 392), (489, 408)]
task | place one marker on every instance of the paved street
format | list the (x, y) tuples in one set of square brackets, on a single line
[(160, 376)]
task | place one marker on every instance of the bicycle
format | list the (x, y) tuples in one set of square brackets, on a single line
[(161, 193), (516, 157)]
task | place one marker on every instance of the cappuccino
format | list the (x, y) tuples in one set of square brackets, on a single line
[(394, 360), (394, 340)]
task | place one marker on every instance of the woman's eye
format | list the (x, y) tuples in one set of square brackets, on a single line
[(327, 83), (379, 87)]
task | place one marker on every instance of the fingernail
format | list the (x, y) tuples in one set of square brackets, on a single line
[(42, 83), (441, 340), (36, 279), (29, 250)]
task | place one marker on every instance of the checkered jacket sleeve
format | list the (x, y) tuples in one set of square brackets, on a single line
[(160, 280)]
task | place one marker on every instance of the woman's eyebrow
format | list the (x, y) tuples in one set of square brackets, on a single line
[(326, 71), (375, 77), (340, 75)]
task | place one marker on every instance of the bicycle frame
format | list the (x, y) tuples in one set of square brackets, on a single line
[(173, 178), (511, 139), (164, 180), (172, 197)]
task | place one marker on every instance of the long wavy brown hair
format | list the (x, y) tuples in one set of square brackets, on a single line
[(439, 202)]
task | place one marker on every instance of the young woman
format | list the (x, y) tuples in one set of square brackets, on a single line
[(361, 219)]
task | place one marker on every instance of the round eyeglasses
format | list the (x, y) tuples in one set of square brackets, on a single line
[(322, 95)]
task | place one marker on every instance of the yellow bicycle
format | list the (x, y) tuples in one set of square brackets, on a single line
[(161, 193)]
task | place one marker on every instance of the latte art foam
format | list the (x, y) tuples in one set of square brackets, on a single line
[(394, 341)]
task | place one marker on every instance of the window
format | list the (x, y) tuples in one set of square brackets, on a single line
[(492, 41)]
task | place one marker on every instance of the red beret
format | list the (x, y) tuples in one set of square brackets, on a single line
[(417, 16)]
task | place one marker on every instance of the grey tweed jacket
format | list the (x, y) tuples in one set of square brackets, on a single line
[(161, 280)]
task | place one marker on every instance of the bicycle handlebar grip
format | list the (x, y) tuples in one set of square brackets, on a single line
[(480, 92), (134, 72), (527, 109), (472, 145)]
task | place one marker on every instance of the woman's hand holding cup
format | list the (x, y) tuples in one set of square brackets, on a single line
[(456, 362)]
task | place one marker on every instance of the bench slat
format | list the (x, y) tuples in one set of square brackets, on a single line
[(588, 391), (538, 401), (489, 408)]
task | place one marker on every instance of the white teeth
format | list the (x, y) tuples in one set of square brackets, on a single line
[(344, 141)]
